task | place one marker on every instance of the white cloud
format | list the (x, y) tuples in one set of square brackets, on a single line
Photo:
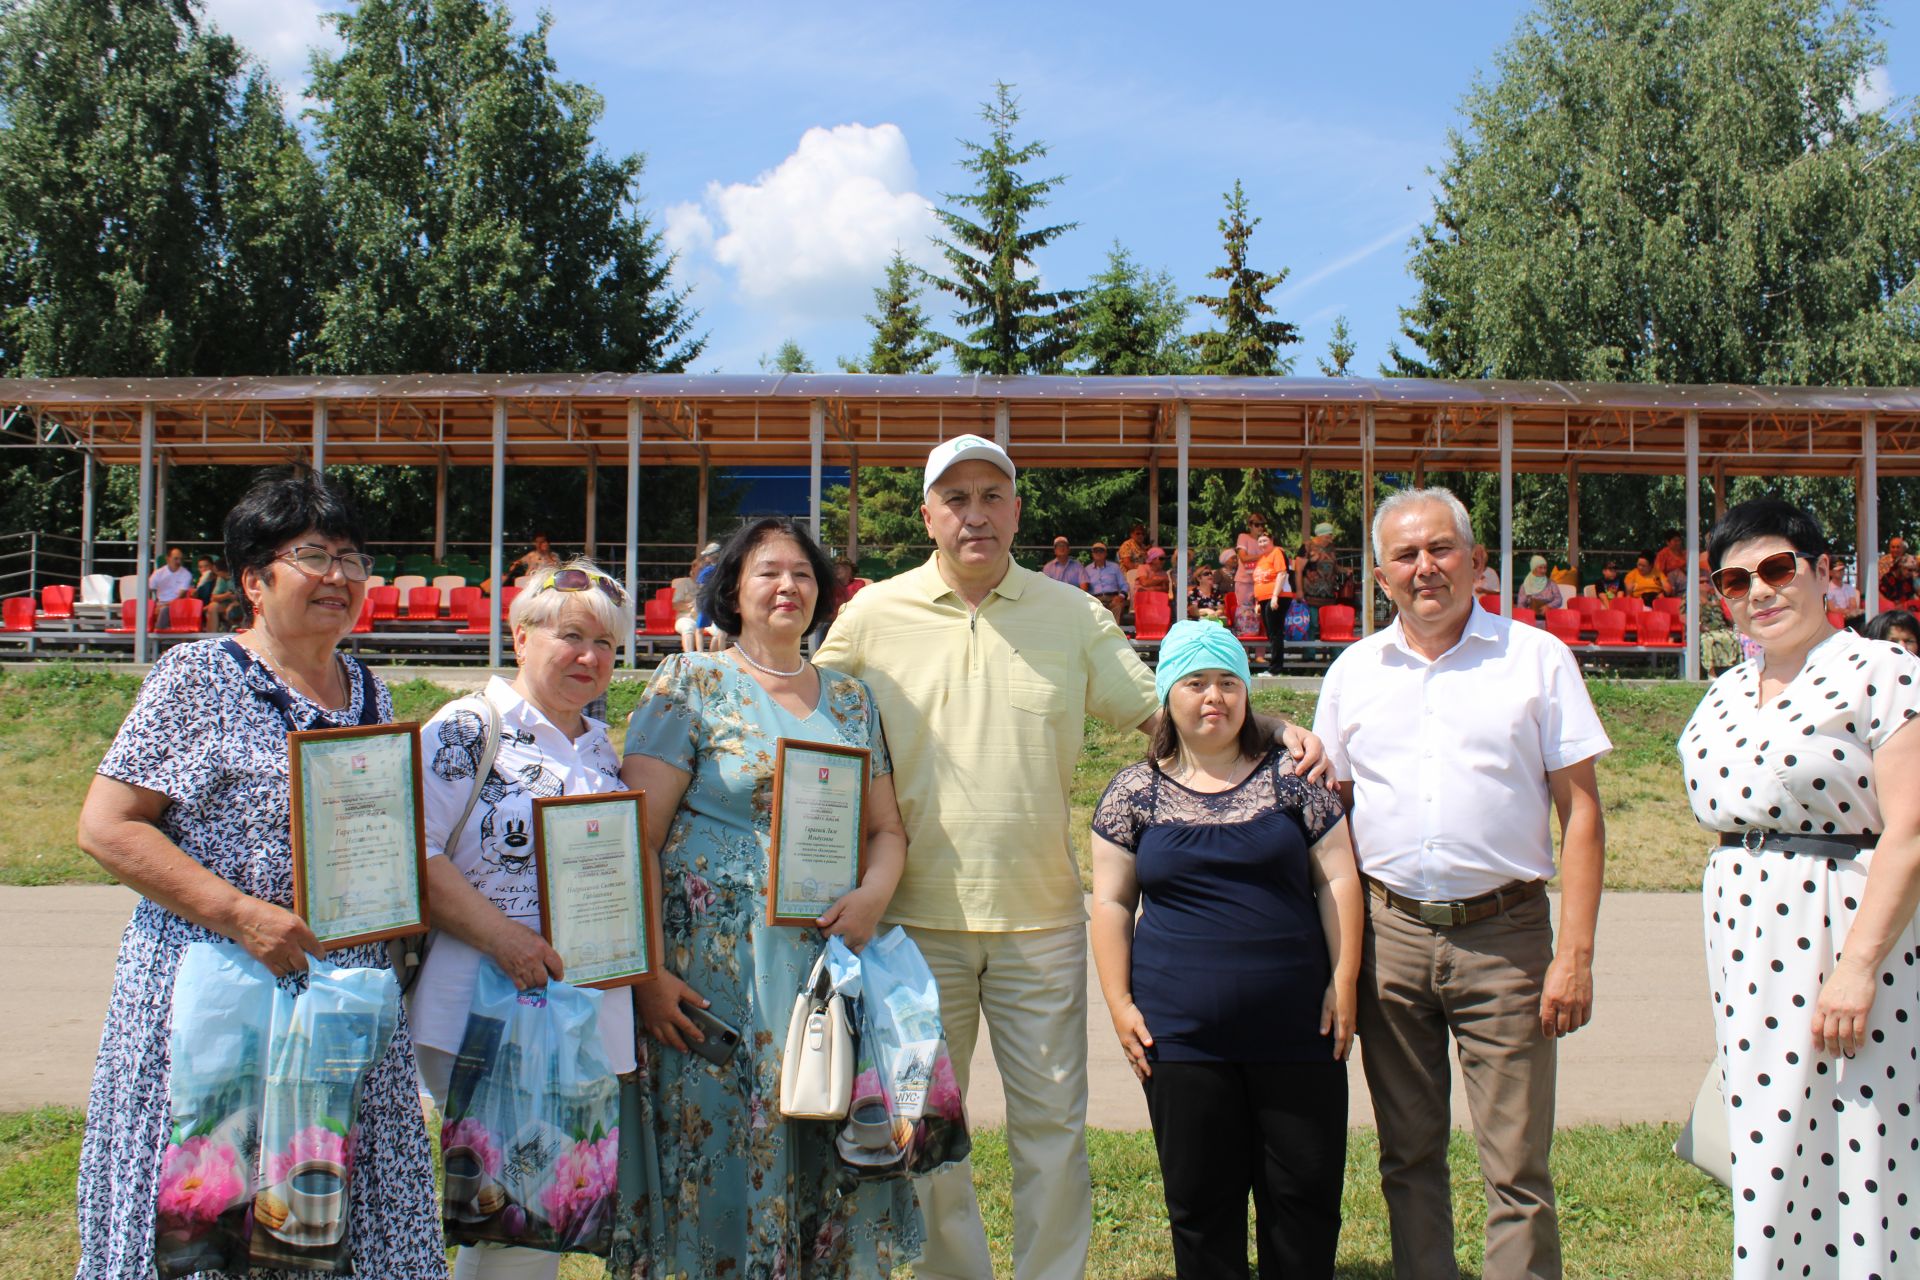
[(816, 230), (1873, 91), (279, 33)]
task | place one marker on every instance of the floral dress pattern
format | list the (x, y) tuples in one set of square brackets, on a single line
[(208, 732), (729, 1188)]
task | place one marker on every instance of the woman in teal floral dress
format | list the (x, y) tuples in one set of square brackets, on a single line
[(728, 1187)]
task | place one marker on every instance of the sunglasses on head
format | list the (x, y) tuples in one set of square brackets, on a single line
[(583, 580), (1777, 570)]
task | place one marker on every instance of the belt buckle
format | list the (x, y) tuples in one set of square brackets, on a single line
[(1440, 915), (1753, 840)]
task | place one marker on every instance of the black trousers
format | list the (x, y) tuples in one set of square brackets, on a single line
[(1275, 1129), (1274, 614)]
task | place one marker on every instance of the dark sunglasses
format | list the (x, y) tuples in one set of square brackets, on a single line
[(1777, 570), (583, 580), (317, 562)]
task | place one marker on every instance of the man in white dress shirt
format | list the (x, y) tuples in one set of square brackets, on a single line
[(171, 580), (1451, 734)]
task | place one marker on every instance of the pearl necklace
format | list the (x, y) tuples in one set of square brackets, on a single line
[(783, 675)]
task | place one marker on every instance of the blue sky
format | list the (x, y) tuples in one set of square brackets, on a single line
[(790, 148)]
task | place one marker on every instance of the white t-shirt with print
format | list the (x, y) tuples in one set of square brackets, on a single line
[(494, 850)]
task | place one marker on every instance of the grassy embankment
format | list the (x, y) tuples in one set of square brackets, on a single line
[(56, 721)]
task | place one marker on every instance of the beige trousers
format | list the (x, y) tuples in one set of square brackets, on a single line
[(1480, 983), (1032, 986)]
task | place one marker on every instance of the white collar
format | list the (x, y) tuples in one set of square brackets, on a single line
[(516, 709), (1480, 625)]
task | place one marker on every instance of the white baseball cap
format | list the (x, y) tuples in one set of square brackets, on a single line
[(964, 449)]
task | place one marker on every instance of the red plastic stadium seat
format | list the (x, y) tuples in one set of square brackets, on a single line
[(1490, 602), (364, 624), (128, 616), (1336, 623), (385, 602), (1525, 617), (1836, 618), (462, 601), (659, 618), (16, 613), (1657, 628), (184, 613), (423, 604), (1586, 605), (853, 587), (1566, 624), (1152, 615), (56, 601), (506, 601), (1610, 627), (1670, 604)]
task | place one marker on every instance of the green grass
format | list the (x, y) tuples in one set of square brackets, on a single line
[(56, 720), (1628, 1207)]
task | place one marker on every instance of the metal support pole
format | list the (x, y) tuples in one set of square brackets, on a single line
[(87, 473), (440, 509), (853, 512), (1366, 522), (700, 518), (162, 473), (816, 441), (320, 435), (1690, 661), (144, 528), (495, 563), (1506, 513), (1183, 438), (1002, 428), (1867, 577), (1306, 502), (1719, 488), (1153, 499), (591, 543), (633, 515), (1573, 518)]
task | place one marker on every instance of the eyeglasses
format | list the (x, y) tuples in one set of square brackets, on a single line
[(318, 562), (1777, 570), (584, 580)]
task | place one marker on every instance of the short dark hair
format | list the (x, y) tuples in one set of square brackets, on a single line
[(1253, 741), (1882, 624), (720, 594), (282, 504), (1766, 518)]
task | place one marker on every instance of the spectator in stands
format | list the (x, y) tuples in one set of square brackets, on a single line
[(1898, 626), (1643, 582), (1671, 564), (1270, 594), (1204, 597), (1487, 581), (1152, 573), (1133, 552), (1255, 530), (1899, 572), (172, 579), (1323, 581), (1236, 573), (1610, 586), (841, 589), (1538, 591), (1063, 567), (686, 590), (710, 634), (203, 578), (223, 600), (1566, 576), (1105, 581), (542, 556), (1719, 640), (1841, 596)]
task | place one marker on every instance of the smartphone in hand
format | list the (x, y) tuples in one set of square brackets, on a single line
[(721, 1039)]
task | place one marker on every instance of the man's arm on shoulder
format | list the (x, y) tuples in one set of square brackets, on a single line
[(1566, 1000)]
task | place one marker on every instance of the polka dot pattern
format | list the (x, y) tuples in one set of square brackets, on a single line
[(1824, 1147)]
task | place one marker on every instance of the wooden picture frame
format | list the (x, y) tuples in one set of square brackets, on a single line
[(823, 828), (550, 856), (313, 801)]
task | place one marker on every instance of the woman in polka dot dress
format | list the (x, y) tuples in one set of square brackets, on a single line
[(1809, 904)]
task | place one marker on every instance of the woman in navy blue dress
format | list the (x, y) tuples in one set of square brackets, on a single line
[(1234, 993)]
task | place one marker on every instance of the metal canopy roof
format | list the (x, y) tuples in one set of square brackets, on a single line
[(561, 420)]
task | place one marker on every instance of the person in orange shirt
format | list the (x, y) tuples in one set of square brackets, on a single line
[(1273, 591), (1644, 581), (1133, 552), (1671, 565)]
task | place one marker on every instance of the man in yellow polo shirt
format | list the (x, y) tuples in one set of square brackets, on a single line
[(984, 672)]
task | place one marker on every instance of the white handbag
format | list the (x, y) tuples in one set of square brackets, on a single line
[(816, 1068), (1703, 1141)]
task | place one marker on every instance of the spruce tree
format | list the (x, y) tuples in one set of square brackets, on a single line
[(1015, 325), (1340, 350), (902, 343), (1130, 320), (1246, 343)]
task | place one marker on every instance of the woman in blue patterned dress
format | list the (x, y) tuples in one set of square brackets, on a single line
[(190, 809), (731, 1188)]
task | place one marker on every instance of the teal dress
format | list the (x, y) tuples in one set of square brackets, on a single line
[(725, 1186)]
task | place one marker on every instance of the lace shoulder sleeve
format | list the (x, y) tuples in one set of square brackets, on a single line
[(1318, 808), (1126, 807)]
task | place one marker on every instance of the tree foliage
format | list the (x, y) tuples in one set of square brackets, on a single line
[(1130, 321), (1340, 349), (479, 227), (1675, 191), (1247, 342), (787, 358), (1015, 324), (902, 342)]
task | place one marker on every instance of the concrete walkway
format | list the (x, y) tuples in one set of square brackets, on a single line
[(1641, 1058)]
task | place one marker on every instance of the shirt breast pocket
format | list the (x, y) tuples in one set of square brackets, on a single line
[(1035, 681)]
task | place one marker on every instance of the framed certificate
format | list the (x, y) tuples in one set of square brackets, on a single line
[(359, 837), (599, 904), (819, 840)]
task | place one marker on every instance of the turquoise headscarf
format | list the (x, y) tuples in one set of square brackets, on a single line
[(1197, 646)]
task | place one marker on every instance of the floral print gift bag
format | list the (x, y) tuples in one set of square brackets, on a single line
[(531, 1141)]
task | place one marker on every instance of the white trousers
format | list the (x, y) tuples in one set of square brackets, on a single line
[(482, 1261), (1032, 986)]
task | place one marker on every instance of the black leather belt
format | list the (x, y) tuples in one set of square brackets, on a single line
[(1449, 915), (1754, 840)]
